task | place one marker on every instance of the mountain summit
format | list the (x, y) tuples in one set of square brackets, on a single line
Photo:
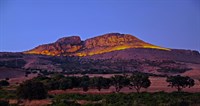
[(73, 46)]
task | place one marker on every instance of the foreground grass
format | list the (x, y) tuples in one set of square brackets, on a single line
[(132, 99), (119, 99), (7, 94)]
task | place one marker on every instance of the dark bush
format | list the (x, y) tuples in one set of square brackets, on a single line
[(4, 103), (4, 83), (32, 90)]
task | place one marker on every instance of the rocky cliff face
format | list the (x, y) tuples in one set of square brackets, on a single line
[(73, 46), (62, 46), (113, 39)]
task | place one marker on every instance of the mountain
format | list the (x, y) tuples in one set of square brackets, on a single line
[(113, 46), (73, 46), (108, 53)]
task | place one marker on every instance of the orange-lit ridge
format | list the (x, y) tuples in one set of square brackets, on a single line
[(73, 46)]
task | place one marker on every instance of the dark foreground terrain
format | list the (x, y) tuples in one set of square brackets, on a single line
[(63, 91), (114, 99)]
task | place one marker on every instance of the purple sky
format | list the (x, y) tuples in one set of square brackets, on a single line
[(25, 24)]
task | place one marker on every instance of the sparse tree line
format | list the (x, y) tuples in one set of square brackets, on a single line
[(135, 81), (37, 88)]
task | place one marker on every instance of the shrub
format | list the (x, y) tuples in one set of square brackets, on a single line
[(31, 90), (4, 83), (119, 81), (4, 103), (100, 82)]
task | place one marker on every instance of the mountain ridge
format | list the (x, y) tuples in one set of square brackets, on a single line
[(74, 46)]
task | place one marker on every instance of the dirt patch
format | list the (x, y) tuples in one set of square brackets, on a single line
[(43, 102)]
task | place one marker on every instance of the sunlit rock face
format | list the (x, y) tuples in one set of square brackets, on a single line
[(112, 42), (66, 45), (73, 46), (112, 39)]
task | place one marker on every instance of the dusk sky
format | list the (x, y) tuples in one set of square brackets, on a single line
[(25, 24)]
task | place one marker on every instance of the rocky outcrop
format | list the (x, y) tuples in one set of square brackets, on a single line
[(61, 46), (73, 46), (112, 39), (73, 40), (112, 42)]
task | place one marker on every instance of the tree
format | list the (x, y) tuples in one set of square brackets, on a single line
[(180, 82), (52, 84), (4, 83), (119, 81), (31, 90), (138, 81), (100, 82), (85, 82), (85, 85), (65, 84), (57, 76), (75, 81)]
